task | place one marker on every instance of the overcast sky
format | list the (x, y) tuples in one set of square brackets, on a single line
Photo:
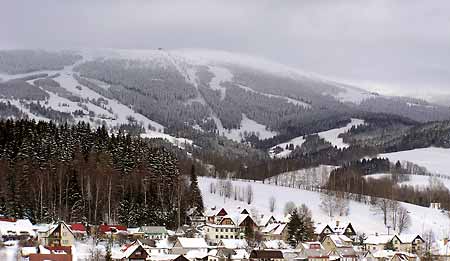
[(395, 47)]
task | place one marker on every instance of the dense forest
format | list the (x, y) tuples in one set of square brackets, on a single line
[(74, 173)]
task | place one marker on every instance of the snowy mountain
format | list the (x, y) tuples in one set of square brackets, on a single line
[(157, 91)]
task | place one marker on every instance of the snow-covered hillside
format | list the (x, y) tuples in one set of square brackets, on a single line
[(331, 136), (362, 217), (435, 160), (303, 178), (418, 181)]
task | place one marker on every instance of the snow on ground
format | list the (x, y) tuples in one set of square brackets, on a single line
[(329, 135), (435, 160), (418, 181), (290, 100), (332, 135), (311, 177), (9, 252), (221, 75), (362, 217), (179, 142), (353, 95), (247, 125)]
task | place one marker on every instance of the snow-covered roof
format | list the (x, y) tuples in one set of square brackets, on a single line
[(192, 242), (21, 226), (265, 220), (153, 230), (407, 238), (275, 244), (196, 254), (279, 230), (378, 239), (340, 240), (163, 244), (233, 243), (270, 228)]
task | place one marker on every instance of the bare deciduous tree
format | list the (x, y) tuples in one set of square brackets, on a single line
[(289, 207), (272, 204), (249, 194)]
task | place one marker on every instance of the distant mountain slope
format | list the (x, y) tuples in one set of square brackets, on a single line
[(199, 90)]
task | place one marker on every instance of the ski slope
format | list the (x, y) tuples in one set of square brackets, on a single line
[(362, 217), (331, 136)]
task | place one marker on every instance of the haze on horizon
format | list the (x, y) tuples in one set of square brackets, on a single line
[(389, 46)]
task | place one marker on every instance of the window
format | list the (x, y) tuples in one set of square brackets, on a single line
[(217, 236), (65, 242), (226, 236)]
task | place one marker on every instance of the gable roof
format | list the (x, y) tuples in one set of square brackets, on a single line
[(409, 238), (186, 242), (270, 228), (232, 243), (379, 239), (340, 240), (265, 254), (60, 223), (78, 227), (265, 220), (108, 228), (153, 230), (274, 244), (279, 230)]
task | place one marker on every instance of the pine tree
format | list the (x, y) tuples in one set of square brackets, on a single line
[(196, 196), (74, 199), (293, 227)]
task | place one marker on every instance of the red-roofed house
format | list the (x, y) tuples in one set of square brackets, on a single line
[(79, 230)]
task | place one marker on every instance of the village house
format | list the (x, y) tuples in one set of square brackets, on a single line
[(339, 228), (411, 243), (343, 254), (227, 254), (195, 217), (12, 229), (244, 221), (190, 247), (274, 244), (154, 232), (232, 243), (311, 251), (404, 256), (275, 231), (213, 216), (215, 232), (266, 220), (333, 242), (59, 234), (78, 230), (376, 242), (114, 231), (266, 255), (134, 251)]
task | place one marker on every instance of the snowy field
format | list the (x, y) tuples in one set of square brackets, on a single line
[(331, 136), (418, 181), (362, 217), (247, 125), (435, 160), (311, 177)]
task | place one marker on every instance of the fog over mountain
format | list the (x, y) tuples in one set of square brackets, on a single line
[(392, 47)]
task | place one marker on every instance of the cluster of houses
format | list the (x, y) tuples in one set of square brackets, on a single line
[(218, 235)]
